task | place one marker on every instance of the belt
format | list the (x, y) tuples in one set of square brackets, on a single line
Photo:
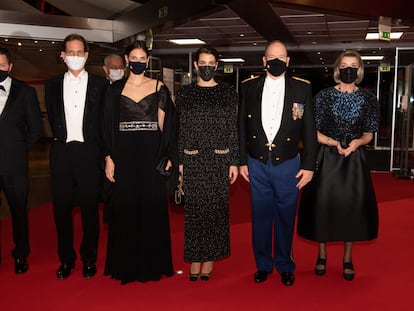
[(138, 126)]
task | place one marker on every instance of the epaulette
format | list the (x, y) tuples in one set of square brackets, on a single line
[(303, 80), (251, 78)]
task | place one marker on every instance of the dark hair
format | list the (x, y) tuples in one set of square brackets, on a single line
[(136, 45), (4, 51), (75, 36), (207, 49)]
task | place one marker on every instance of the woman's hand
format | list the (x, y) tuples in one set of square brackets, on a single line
[(244, 171), (233, 173), (168, 166), (109, 169)]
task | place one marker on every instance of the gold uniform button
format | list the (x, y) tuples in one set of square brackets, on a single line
[(254, 136), (288, 139), (277, 159), (249, 116), (261, 157)]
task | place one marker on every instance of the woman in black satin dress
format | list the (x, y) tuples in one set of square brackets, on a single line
[(139, 129), (339, 204)]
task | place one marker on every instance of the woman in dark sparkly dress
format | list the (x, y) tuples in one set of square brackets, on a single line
[(339, 204), (139, 129), (208, 157)]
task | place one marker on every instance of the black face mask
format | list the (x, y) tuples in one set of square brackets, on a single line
[(137, 67), (3, 75), (275, 67), (348, 75), (206, 72)]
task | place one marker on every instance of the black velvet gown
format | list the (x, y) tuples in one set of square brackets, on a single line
[(339, 203), (139, 247)]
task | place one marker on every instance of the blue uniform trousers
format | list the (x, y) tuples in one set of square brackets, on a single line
[(274, 198)]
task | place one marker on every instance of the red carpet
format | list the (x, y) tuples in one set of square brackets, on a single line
[(384, 269)]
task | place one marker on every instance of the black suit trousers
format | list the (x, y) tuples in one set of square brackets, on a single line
[(15, 188), (75, 174)]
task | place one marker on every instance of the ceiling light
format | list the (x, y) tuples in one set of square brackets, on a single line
[(372, 57), (187, 41), (375, 35), (232, 60)]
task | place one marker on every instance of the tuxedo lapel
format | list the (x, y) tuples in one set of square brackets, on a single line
[(91, 95), (60, 109), (14, 90)]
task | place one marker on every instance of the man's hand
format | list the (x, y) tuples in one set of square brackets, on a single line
[(304, 176)]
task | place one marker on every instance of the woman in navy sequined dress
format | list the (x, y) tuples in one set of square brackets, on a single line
[(339, 204)]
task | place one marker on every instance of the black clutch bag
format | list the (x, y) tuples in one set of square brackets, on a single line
[(345, 142), (161, 167)]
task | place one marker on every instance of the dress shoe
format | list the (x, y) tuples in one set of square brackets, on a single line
[(64, 270), (348, 276), (320, 262), (20, 265), (194, 277), (261, 276), (89, 270), (205, 276), (288, 278)]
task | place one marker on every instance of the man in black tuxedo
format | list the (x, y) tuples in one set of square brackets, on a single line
[(20, 127), (74, 107), (276, 113)]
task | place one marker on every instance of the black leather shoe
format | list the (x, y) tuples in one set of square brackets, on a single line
[(288, 278), (20, 265), (89, 270), (64, 270), (261, 276)]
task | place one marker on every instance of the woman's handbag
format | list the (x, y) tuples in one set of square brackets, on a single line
[(161, 167)]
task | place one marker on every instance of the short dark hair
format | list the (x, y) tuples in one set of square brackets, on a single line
[(207, 49), (136, 45), (4, 51), (75, 36)]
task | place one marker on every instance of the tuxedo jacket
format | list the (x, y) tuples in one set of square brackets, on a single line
[(92, 112), (297, 128), (20, 127)]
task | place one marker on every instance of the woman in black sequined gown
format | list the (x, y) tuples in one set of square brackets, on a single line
[(339, 204), (208, 157), (139, 129)]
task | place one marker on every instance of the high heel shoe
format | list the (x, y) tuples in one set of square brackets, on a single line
[(205, 276), (194, 276), (321, 262), (348, 276)]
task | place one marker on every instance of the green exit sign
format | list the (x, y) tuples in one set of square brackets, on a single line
[(163, 12), (385, 35)]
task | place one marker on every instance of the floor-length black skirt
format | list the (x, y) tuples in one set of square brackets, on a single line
[(139, 246), (339, 203)]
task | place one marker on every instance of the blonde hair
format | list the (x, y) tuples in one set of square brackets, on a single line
[(349, 53)]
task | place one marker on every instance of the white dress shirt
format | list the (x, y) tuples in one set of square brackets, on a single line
[(74, 96), (4, 94), (273, 97)]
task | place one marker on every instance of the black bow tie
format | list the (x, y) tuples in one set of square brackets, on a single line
[(2, 88)]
